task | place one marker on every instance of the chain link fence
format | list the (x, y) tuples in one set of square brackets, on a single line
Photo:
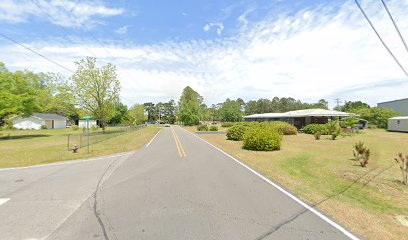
[(81, 140)]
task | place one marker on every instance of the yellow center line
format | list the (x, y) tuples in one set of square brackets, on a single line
[(177, 144), (181, 146)]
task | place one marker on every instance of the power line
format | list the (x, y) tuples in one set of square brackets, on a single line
[(53, 19), (395, 25), (379, 37), (39, 54)]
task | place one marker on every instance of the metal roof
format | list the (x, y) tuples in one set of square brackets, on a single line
[(49, 116), (302, 113), (400, 117)]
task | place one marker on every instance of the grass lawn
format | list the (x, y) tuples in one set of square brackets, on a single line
[(366, 200), (33, 147)]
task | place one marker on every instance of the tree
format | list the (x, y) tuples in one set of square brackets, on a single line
[(137, 114), (169, 112), (96, 89), (190, 107), (150, 109), (349, 105), (17, 93), (120, 115), (230, 111)]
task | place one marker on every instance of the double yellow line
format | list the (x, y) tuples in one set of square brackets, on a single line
[(178, 144)]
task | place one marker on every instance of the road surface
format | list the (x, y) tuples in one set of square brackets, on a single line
[(177, 187)]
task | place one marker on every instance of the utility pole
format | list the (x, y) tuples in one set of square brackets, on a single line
[(337, 102)]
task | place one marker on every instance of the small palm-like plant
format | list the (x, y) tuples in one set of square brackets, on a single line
[(403, 162), (361, 153)]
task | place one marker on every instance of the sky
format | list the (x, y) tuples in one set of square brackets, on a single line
[(305, 49)]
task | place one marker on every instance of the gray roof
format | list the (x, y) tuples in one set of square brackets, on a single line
[(49, 116), (302, 113)]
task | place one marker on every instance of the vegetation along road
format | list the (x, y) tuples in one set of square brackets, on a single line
[(177, 187)]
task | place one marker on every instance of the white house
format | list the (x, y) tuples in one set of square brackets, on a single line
[(35, 121), (299, 118), (82, 123), (398, 124)]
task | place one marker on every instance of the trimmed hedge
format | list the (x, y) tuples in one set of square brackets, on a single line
[(202, 128), (236, 132), (262, 138), (227, 124), (213, 128), (282, 127), (313, 128)]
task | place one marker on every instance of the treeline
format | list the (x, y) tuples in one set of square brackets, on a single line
[(93, 90)]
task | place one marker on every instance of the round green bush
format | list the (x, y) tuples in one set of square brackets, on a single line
[(202, 128), (213, 128), (44, 127), (236, 132), (262, 139), (227, 124), (282, 127), (313, 128)]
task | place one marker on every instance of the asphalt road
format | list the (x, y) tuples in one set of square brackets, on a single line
[(178, 187)]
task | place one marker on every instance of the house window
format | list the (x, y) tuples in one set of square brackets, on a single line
[(398, 121)]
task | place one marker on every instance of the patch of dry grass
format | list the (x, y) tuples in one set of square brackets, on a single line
[(322, 172), (46, 146)]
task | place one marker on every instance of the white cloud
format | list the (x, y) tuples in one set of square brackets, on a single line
[(218, 26), (63, 13), (322, 53), (122, 30)]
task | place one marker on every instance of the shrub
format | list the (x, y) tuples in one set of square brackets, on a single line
[(236, 132), (334, 129), (317, 135), (282, 127), (262, 139), (44, 127), (403, 163), (313, 128), (361, 153), (213, 128), (202, 128), (75, 127), (227, 124), (94, 127)]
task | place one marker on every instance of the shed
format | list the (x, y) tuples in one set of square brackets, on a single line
[(398, 124), (35, 121)]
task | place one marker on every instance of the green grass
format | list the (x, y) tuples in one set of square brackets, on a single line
[(33, 147), (322, 172)]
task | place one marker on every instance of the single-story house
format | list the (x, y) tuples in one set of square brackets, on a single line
[(82, 123), (398, 124), (299, 118), (35, 121)]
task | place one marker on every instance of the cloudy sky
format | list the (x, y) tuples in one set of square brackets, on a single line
[(306, 49)]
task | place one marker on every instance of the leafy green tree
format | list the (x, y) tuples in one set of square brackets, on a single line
[(17, 93), (96, 89), (169, 112), (137, 114), (230, 111), (349, 105), (190, 107), (121, 114), (150, 109)]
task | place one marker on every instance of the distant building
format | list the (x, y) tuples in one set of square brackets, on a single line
[(398, 124), (400, 106), (35, 121), (299, 118)]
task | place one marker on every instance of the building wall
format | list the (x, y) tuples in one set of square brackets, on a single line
[(60, 124), (28, 123), (400, 106), (398, 125), (82, 123)]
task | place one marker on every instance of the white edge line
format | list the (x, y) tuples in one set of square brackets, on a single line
[(69, 161), (4, 200), (151, 140), (296, 199)]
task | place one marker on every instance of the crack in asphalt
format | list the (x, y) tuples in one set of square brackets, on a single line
[(95, 205)]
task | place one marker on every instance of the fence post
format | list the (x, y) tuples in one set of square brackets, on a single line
[(68, 142)]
